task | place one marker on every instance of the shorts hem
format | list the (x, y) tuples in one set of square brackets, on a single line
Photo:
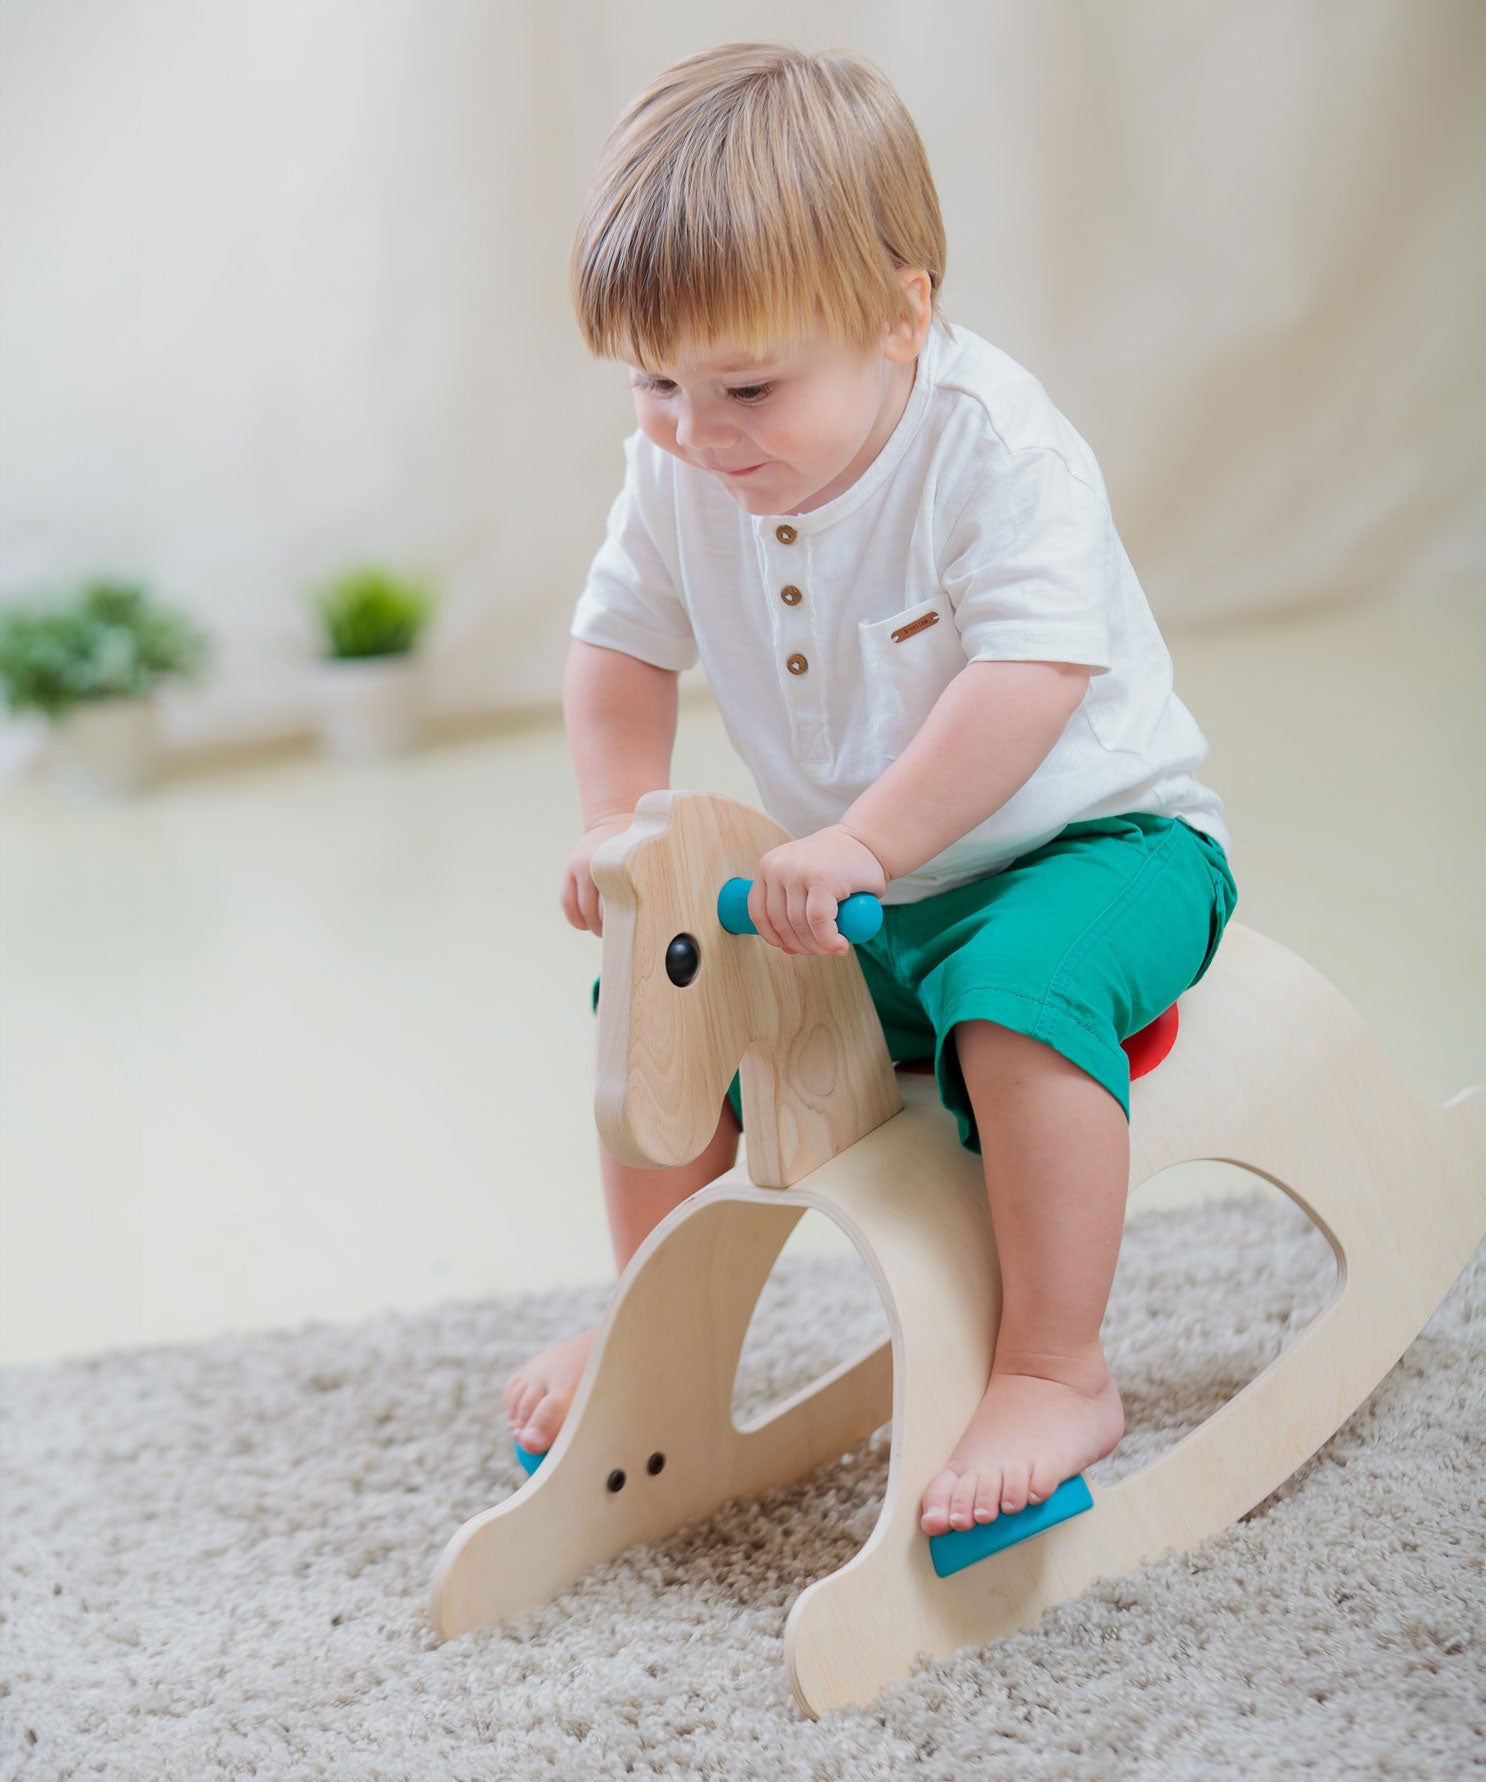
[(1049, 1021)]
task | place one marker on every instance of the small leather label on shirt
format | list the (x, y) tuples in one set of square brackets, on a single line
[(904, 632)]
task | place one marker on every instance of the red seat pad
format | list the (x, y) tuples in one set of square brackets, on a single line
[(1146, 1049)]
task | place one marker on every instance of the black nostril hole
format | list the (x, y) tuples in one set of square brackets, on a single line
[(654, 1464), (683, 960), (615, 1481)]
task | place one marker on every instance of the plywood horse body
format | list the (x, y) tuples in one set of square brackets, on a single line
[(1272, 1070)]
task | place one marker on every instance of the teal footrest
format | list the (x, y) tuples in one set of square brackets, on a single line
[(960, 1547), (529, 1462)]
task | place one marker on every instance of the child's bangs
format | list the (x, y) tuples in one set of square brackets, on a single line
[(683, 287)]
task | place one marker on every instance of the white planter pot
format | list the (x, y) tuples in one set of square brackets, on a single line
[(368, 707), (107, 748)]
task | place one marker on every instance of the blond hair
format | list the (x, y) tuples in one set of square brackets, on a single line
[(752, 193)]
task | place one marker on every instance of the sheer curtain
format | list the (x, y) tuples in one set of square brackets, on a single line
[(283, 287)]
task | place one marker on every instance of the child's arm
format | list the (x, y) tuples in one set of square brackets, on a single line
[(620, 715), (989, 731)]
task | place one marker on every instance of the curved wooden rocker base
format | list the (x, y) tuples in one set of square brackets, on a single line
[(1273, 1070)]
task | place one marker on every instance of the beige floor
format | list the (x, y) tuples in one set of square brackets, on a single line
[(288, 1042)]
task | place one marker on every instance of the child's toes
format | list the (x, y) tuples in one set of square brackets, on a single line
[(538, 1423), (524, 1401), (962, 1503), (518, 1382), (988, 1496), (541, 1428), (1044, 1481), (1014, 1487), (934, 1512)]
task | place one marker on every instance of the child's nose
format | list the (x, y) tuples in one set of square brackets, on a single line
[(699, 428)]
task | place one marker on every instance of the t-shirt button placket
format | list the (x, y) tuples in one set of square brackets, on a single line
[(795, 663), (806, 720)]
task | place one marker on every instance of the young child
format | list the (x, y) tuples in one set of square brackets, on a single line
[(896, 562)]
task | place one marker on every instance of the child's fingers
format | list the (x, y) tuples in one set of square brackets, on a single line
[(799, 924), (568, 898), (580, 901), (769, 900), (593, 904), (761, 912), (820, 916), (815, 936), (776, 907), (758, 913)]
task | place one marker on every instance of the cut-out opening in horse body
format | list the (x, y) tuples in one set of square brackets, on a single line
[(780, 1359), (1285, 1279)]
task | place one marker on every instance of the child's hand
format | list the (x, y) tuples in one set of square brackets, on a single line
[(581, 903), (799, 887)]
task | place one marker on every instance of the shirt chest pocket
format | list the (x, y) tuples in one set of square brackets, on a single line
[(907, 662)]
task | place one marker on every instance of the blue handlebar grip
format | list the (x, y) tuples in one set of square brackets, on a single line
[(858, 918)]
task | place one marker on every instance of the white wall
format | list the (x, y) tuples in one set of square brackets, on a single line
[(283, 286)]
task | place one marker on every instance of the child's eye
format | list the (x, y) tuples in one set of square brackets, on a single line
[(749, 394)]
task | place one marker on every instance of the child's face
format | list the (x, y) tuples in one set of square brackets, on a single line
[(787, 433)]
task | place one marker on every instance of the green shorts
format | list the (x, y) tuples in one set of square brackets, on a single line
[(1078, 945)]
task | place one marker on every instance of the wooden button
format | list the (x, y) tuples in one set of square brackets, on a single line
[(791, 596), (797, 665), (785, 534)]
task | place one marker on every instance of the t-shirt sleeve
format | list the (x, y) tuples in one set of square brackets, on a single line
[(1033, 564), (631, 601)]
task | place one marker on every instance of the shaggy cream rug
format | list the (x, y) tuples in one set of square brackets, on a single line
[(216, 1560)]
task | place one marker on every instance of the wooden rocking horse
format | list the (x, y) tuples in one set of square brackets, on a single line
[(1272, 1070)]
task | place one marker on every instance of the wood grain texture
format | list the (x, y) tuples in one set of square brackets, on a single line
[(1272, 1070), (816, 1074)]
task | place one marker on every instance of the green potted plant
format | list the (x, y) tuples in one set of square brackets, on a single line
[(367, 685), (90, 664)]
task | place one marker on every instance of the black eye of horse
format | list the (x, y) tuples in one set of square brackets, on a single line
[(683, 960)]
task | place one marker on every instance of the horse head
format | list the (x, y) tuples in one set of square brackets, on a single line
[(684, 1003)]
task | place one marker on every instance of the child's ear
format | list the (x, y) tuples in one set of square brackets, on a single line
[(904, 339)]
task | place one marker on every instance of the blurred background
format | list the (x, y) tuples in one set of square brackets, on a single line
[(294, 414)]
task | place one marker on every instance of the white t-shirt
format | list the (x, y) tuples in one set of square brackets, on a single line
[(984, 509)]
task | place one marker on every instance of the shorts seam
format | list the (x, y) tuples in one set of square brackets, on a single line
[(1046, 1004)]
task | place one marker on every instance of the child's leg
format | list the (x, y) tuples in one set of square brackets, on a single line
[(1057, 1163), (538, 1395), (638, 1199)]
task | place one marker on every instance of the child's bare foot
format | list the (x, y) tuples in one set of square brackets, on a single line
[(1029, 1434), (538, 1395)]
